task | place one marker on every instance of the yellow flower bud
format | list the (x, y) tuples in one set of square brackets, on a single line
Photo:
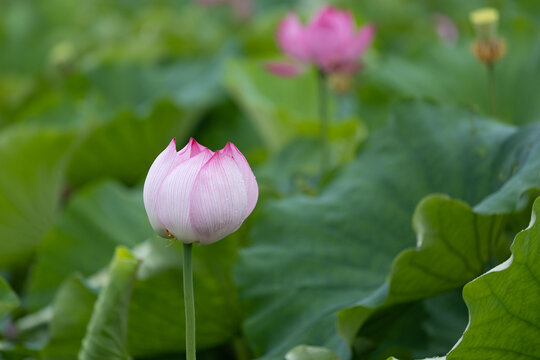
[(484, 16), (485, 21)]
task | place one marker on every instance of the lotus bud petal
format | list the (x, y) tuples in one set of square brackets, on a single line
[(197, 195), (162, 166)]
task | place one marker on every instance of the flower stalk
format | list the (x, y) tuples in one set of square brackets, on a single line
[(198, 195), (189, 303), (489, 47), (492, 88), (324, 118)]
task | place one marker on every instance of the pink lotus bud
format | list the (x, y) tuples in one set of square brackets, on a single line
[(197, 195), (330, 40), (446, 29)]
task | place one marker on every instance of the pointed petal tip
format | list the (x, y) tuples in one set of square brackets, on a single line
[(217, 155), (226, 149), (324, 11), (196, 148)]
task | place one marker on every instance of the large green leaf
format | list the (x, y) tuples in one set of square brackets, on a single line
[(126, 146), (503, 316), (95, 221), (32, 163), (225, 123), (156, 310), (413, 330), (334, 250), (157, 323), (454, 245), (106, 335), (8, 299), (104, 215), (503, 307), (189, 84), (294, 167), (71, 312)]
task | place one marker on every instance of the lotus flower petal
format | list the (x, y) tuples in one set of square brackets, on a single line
[(162, 166), (362, 40), (247, 175), (172, 203), (291, 37), (219, 199), (340, 23), (330, 35)]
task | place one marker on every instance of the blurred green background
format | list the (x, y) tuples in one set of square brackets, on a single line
[(91, 92)]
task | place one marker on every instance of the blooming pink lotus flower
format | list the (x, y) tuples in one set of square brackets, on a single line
[(330, 41), (198, 195)]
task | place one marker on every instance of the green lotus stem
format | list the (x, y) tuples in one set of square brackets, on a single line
[(492, 88), (189, 303), (323, 115), (241, 349)]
